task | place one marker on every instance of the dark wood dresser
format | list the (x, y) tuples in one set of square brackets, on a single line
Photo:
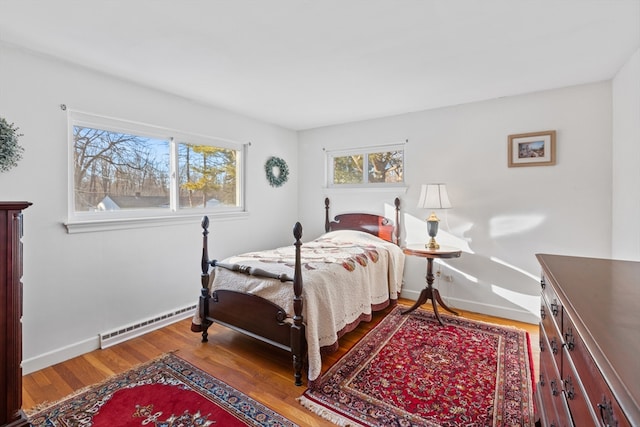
[(589, 342), (11, 414)]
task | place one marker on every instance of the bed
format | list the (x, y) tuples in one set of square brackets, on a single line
[(302, 298)]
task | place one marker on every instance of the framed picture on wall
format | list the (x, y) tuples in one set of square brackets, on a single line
[(532, 149)]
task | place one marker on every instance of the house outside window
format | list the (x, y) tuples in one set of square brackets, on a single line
[(366, 167), (124, 170)]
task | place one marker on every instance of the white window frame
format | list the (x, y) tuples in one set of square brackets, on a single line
[(78, 222), (364, 151)]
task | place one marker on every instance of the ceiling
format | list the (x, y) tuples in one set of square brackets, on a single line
[(303, 64)]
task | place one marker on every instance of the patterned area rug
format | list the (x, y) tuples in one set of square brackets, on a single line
[(410, 371), (168, 392)]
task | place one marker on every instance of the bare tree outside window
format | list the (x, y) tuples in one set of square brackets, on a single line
[(128, 171), (114, 170)]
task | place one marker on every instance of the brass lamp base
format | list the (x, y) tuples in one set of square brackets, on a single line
[(432, 244)]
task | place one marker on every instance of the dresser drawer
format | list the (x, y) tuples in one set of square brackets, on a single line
[(554, 305), (554, 410), (552, 330), (599, 398), (546, 398), (577, 400)]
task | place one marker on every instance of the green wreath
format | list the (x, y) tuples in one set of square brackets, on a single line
[(10, 150), (279, 178)]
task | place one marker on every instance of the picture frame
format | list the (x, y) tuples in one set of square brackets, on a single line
[(532, 149)]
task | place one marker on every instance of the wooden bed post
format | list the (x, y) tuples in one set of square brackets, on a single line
[(327, 224), (204, 280), (396, 231), (298, 344)]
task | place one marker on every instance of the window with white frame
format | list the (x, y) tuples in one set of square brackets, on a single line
[(125, 170), (371, 166)]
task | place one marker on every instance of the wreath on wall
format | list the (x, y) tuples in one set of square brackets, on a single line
[(277, 171), (10, 150)]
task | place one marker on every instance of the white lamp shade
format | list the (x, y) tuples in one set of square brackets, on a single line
[(434, 196)]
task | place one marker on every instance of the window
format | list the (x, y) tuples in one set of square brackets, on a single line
[(123, 170), (374, 166)]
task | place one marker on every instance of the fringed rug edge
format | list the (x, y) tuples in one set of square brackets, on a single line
[(327, 414)]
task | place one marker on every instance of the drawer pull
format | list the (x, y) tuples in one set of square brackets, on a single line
[(554, 387), (606, 413), (541, 380), (568, 388), (569, 340), (542, 312), (542, 346), (554, 346), (554, 307), (543, 284)]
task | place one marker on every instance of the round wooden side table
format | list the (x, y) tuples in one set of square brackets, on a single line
[(429, 292)]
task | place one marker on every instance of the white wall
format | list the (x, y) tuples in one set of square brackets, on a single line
[(76, 286), (79, 285), (501, 216), (626, 161)]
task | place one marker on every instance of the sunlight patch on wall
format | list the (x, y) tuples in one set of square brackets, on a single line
[(513, 267), (530, 303), (506, 225), (462, 273)]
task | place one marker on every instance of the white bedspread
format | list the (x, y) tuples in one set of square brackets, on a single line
[(344, 273)]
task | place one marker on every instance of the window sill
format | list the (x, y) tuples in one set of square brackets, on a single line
[(91, 226)]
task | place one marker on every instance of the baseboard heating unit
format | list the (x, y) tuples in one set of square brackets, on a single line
[(124, 333)]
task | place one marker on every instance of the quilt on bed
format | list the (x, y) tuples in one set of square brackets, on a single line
[(345, 275)]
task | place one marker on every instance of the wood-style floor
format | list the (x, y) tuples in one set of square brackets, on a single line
[(259, 370)]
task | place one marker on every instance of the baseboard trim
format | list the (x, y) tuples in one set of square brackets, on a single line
[(59, 355), (476, 307), (79, 348)]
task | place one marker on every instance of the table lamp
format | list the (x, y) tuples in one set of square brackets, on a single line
[(433, 196)]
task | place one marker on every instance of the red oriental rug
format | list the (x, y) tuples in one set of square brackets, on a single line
[(167, 392), (410, 371)]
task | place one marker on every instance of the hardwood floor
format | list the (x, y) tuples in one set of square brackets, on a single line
[(259, 370)]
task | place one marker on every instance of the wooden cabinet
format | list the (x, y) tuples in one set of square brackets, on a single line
[(589, 342), (11, 414)]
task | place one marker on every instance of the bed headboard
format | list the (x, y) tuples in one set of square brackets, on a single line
[(377, 225)]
